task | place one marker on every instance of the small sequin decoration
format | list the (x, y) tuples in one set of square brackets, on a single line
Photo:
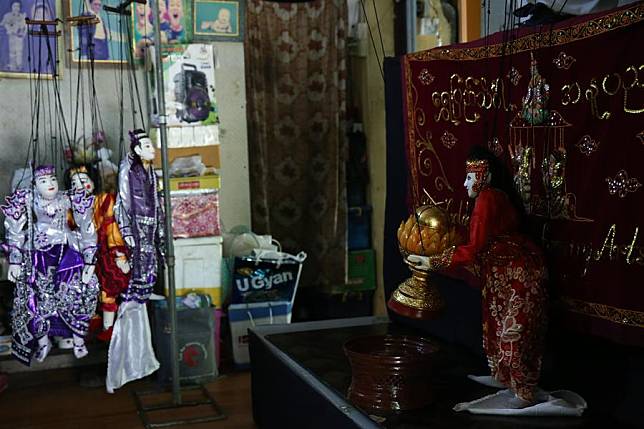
[(495, 146), (514, 76), (426, 77), (640, 136), (554, 119), (16, 204), (622, 185), (563, 61), (448, 139), (587, 145), (82, 201)]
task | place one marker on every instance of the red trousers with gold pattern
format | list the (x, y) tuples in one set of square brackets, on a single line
[(514, 314)]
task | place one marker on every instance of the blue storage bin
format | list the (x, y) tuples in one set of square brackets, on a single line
[(359, 228)]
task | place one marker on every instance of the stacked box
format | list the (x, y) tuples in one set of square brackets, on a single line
[(244, 316), (362, 270), (198, 267), (192, 183), (359, 228)]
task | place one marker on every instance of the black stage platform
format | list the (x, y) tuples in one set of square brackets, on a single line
[(300, 377)]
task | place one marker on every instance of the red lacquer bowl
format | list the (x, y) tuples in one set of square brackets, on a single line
[(390, 373)]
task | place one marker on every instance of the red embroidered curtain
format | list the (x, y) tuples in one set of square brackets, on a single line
[(296, 89), (570, 125)]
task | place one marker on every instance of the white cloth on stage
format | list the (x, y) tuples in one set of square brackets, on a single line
[(555, 403)]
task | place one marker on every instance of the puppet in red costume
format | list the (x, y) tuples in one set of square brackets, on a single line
[(512, 273), (112, 266)]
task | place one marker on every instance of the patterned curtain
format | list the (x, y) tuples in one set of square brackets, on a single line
[(296, 88)]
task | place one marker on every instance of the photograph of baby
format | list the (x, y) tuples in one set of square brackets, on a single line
[(105, 41), (217, 20), (15, 42)]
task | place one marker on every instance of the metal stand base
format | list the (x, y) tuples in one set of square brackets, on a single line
[(145, 411)]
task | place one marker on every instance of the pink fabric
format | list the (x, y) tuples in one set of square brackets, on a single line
[(195, 215)]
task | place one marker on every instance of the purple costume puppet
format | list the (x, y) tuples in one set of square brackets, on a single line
[(52, 265), (140, 219), (140, 216)]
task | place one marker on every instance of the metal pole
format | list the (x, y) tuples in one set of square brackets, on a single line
[(410, 36), (174, 355)]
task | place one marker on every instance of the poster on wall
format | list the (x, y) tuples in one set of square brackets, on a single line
[(175, 24), (20, 52), (109, 37), (218, 20), (189, 79)]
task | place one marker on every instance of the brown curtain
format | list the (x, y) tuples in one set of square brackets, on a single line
[(296, 89)]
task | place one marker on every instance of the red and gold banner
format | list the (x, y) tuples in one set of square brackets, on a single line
[(564, 107)]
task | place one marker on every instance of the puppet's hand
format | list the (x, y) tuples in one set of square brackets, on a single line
[(427, 263), (129, 240), (14, 272), (122, 263), (88, 272), (432, 263)]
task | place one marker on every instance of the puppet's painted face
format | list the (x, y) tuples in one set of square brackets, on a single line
[(47, 186), (145, 149), (15, 7), (474, 185), (470, 181), (82, 181)]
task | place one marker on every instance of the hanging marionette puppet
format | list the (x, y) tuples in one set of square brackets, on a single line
[(112, 265), (512, 271), (140, 219), (52, 266), (139, 215)]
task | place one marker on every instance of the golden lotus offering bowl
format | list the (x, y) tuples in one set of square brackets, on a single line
[(427, 232)]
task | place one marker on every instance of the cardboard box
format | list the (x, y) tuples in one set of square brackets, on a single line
[(244, 316), (198, 266), (362, 269), (193, 183), (188, 137), (361, 275), (210, 155), (359, 228)]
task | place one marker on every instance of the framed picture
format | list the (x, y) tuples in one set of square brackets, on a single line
[(175, 24), (109, 36), (221, 20), (23, 55)]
